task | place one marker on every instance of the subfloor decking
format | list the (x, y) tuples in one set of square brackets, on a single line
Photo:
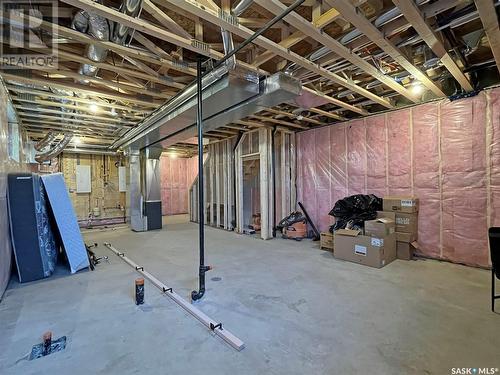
[(298, 310)]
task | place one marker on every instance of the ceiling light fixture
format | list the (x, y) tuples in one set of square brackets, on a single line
[(417, 89)]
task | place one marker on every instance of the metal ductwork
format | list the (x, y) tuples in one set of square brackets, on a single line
[(45, 141), (56, 150), (98, 28), (240, 7), (131, 8), (227, 97)]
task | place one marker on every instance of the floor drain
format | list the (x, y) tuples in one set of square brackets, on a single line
[(216, 278), (41, 350)]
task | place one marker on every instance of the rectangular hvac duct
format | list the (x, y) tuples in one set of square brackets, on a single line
[(273, 90), (228, 97)]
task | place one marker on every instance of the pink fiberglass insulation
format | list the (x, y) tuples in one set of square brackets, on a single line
[(446, 153), (177, 176), (322, 181), (356, 157), (398, 152), (376, 155), (494, 158), (426, 182)]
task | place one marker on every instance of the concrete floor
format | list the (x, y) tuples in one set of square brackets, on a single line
[(298, 310)]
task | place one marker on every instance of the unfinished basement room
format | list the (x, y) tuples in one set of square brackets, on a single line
[(250, 187)]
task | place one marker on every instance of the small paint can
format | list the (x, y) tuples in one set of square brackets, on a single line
[(139, 291)]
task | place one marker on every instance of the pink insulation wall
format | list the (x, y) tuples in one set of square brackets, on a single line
[(177, 176), (446, 153)]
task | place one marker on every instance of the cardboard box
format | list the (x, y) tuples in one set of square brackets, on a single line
[(406, 223), (401, 204), (380, 227), (405, 250), (387, 214), (406, 237), (370, 251), (326, 241), (412, 226)]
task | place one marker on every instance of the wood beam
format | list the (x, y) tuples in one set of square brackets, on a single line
[(146, 56), (76, 87), (164, 19), (64, 125), (279, 122), (119, 87), (308, 28), (74, 114), (488, 15), (337, 102), (351, 14), (147, 28), (293, 116), (79, 108), (69, 121), (417, 20), (151, 46), (322, 21), (50, 94), (279, 50), (327, 114)]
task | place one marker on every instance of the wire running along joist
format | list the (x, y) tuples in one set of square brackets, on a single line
[(219, 330)]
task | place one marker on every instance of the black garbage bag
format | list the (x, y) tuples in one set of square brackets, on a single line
[(294, 217), (352, 211)]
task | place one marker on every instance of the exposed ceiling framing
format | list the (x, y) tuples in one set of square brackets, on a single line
[(356, 57)]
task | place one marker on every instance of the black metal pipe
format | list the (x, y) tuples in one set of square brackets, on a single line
[(258, 33), (273, 169), (195, 295)]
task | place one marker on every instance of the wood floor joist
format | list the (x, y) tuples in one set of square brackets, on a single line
[(77, 87), (147, 28), (24, 108), (351, 14), (417, 20), (488, 14), (48, 94), (263, 42), (309, 29)]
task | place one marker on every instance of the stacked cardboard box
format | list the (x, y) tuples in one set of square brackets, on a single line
[(404, 211), (376, 248)]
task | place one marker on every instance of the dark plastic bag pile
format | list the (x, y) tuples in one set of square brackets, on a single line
[(294, 217), (352, 211)]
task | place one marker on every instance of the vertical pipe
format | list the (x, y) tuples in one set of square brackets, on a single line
[(273, 171), (195, 295)]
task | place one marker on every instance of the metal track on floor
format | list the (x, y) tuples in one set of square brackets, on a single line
[(211, 324)]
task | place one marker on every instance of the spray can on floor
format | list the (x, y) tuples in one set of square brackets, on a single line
[(139, 291)]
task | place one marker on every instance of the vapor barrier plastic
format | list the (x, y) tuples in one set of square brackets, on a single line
[(177, 176), (446, 153)]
